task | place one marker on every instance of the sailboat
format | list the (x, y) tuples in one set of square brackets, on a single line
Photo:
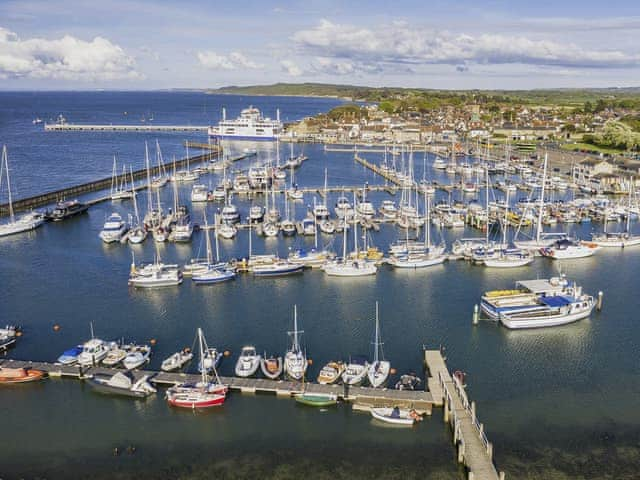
[(618, 239), (378, 371), (161, 179), (508, 258), (295, 360), (208, 392), (214, 272), (185, 175), (353, 265), (29, 221), (270, 265), (414, 256), (314, 257), (118, 188), (542, 240), (137, 233)]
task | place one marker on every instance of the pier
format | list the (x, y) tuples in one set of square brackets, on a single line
[(60, 127), (442, 390), (95, 186), (374, 168), (474, 450)]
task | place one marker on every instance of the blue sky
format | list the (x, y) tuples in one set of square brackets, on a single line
[(140, 44)]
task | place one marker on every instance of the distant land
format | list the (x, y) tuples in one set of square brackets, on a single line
[(560, 96)]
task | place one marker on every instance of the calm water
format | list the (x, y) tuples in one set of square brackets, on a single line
[(559, 403)]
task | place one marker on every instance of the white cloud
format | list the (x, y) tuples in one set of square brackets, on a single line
[(398, 43), (67, 58), (291, 68), (232, 61)]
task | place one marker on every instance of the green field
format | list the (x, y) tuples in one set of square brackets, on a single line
[(592, 148)]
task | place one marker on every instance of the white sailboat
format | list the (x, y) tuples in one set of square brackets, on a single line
[(346, 266), (618, 239), (29, 221), (295, 360), (119, 189), (378, 371), (214, 272), (137, 233), (153, 275)]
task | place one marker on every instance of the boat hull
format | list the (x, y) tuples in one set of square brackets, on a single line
[(517, 322), (106, 389)]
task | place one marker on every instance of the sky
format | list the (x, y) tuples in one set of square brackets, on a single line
[(144, 45)]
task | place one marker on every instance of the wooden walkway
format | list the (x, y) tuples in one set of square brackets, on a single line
[(362, 397), (376, 169), (474, 450)]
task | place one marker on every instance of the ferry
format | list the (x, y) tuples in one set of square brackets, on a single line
[(250, 125)]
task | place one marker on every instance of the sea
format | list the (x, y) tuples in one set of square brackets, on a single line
[(559, 403)]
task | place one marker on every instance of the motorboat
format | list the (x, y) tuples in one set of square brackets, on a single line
[(331, 373), (439, 163), (67, 209), (310, 258), (20, 375), (378, 371), (355, 371), (308, 227), (396, 416), (226, 230), (177, 360), (271, 366), (199, 193), (256, 214), (8, 336), (320, 400), (288, 228), (121, 384), (137, 356), (114, 229), (248, 362), (93, 352), (70, 356), (210, 360), (567, 249), (357, 267), (343, 208), (154, 275), (183, 227), (388, 209), (208, 392), (295, 360), (551, 311), (320, 212), (230, 213)]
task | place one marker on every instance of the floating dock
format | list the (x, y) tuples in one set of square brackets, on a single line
[(60, 127), (376, 169), (442, 390)]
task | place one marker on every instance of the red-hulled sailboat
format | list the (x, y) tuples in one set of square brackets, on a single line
[(208, 392)]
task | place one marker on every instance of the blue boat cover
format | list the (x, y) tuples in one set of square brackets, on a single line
[(556, 301)]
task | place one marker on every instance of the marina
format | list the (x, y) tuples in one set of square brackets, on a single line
[(514, 376)]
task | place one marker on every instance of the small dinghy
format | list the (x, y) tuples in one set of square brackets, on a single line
[(8, 336), (331, 373), (271, 366), (317, 399), (69, 357), (20, 375), (408, 382), (396, 416), (117, 354), (122, 384), (137, 356), (248, 362), (177, 360)]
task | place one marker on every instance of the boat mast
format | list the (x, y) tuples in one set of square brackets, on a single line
[(113, 173), (5, 160), (355, 225), (208, 238), (215, 231), (628, 226), (427, 223), (149, 193), (541, 207), (200, 344), (376, 356), (135, 202)]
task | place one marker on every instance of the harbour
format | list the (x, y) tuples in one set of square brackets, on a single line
[(531, 372)]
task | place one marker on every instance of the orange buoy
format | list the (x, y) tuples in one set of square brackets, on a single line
[(310, 361), (18, 333), (56, 328), (227, 353), (153, 341), (393, 371)]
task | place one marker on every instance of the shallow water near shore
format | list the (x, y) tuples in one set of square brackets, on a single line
[(558, 403)]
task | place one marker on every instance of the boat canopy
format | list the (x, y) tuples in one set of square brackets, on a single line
[(556, 301), (120, 380)]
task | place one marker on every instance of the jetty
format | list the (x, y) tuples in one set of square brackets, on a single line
[(474, 450), (76, 127), (374, 168)]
